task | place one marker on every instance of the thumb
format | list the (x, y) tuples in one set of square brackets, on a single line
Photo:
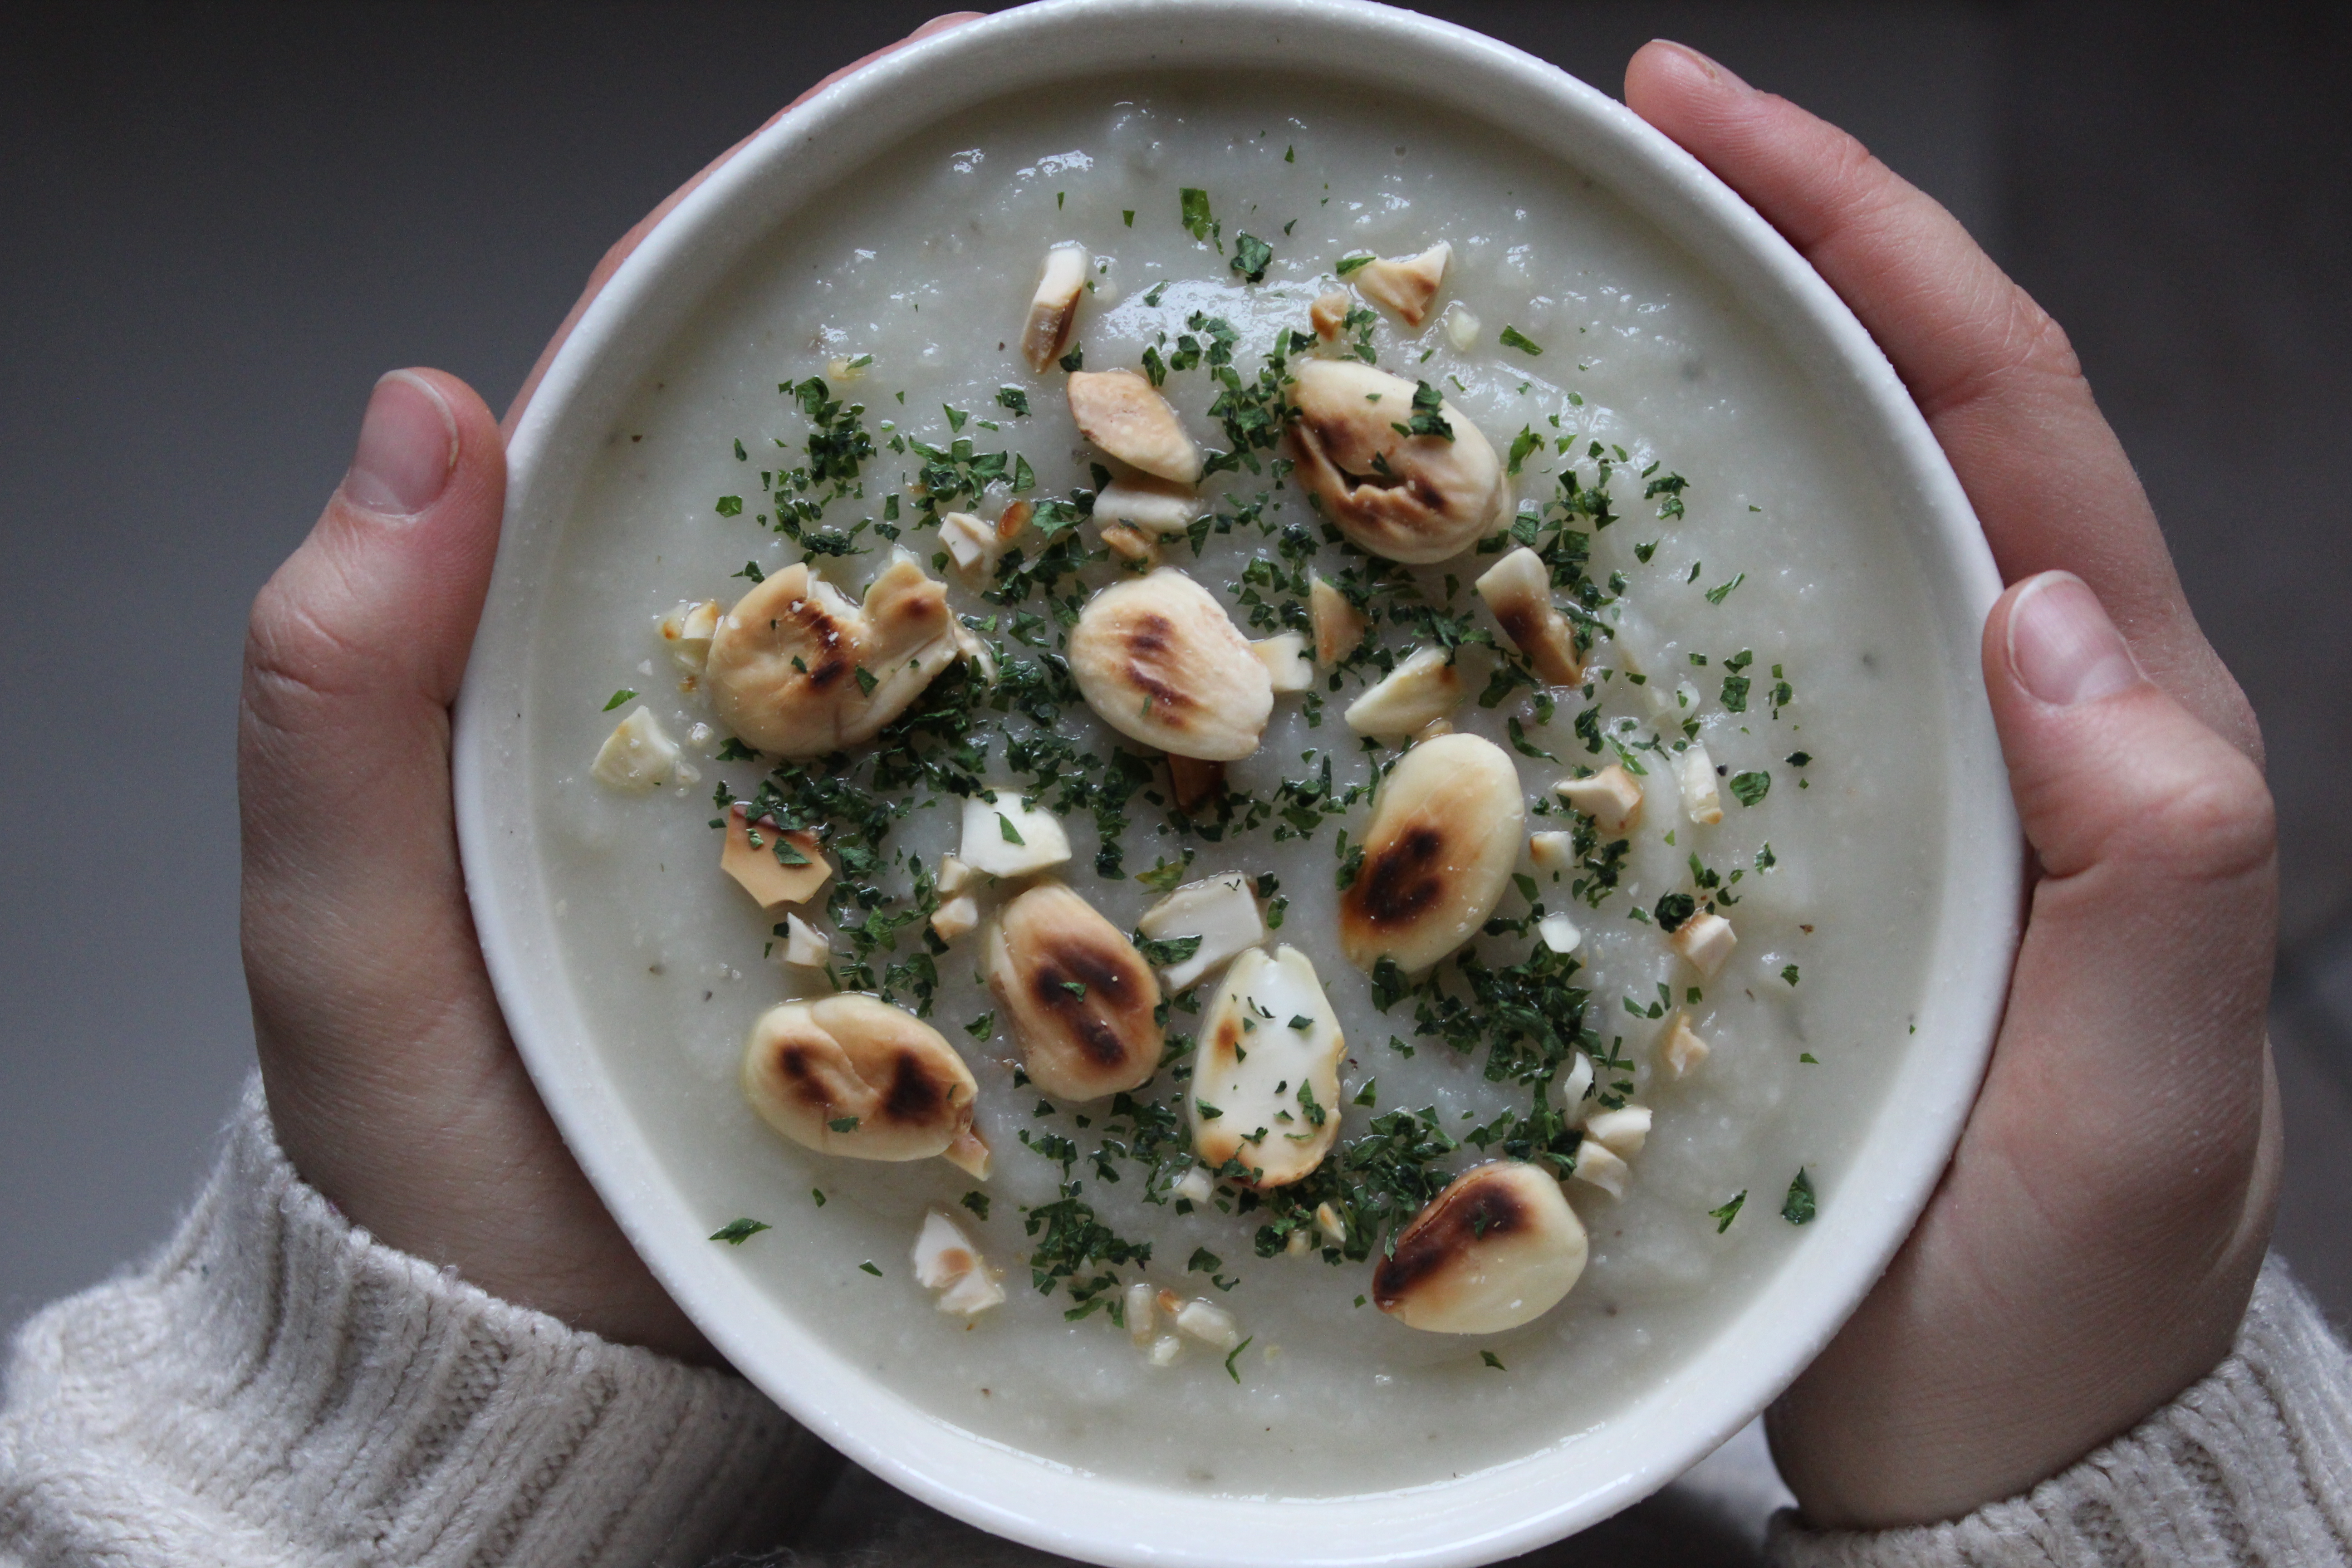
[(2137, 1014), (355, 928)]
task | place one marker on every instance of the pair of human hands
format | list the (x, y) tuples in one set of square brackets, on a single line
[(2092, 1246)]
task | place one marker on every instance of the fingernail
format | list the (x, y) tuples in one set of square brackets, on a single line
[(408, 445), (2061, 647), (1714, 70)]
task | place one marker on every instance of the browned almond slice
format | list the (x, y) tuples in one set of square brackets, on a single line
[(785, 663), (1161, 662), (1080, 998), (1498, 1248), (1339, 626), (1517, 589), (773, 865), (1055, 307), (1444, 836), (1406, 287), (1417, 693), (1196, 783), (1328, 314), (1265, 1088), (852, 1075), (1414, 498), (1118, 411)]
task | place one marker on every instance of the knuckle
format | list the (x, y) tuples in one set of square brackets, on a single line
[(2213, 822)]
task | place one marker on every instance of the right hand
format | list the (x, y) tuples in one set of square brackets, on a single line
[(392, 1083), (2093, 1245)]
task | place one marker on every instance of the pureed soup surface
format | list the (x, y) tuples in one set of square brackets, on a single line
[(1768, 621)]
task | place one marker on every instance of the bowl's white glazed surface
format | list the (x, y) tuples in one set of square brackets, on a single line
[(632, 1147)]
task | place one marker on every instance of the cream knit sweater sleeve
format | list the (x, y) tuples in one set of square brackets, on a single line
[(277, 1387)]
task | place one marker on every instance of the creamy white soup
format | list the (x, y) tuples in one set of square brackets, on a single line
[(1437, 1049)]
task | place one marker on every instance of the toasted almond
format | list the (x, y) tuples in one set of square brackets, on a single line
[(969, 1153), (1287, 664), (943, 1254), (1612, 797), (975, 652), (1339, 626), (1196, 783), (901, 637), (973, 1294), (1079, 998), (1422, 688), (1220, 910), (1194, 1186), (1498, 1248), (1552, 851), (1054, 309), (1007, 836), (1598, 1166), (1622, 1131), (1328, 1221), (854, 1076), (1414, 498), (969, 542), (955, 917), (1328, 314), (1706, 942), (638, 757), (1680, 1049), (1165, 1350), (773, 865), (1444, 838), (1131, 545), (805, 947), (1160, 661), (1147, 504), (1517, 589), (953, 875), (686, 631), (1695, 772), (1118, 412), (1265, 1086), (1209, 1323), (1408, 287), (1013, 520), (1157, 507)]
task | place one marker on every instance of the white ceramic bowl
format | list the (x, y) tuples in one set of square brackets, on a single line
[(1479, 1516)]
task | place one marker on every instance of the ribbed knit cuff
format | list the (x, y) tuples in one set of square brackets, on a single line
[(277, 1386), (2253, 1465)]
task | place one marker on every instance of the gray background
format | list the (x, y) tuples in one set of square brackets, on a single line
[(218, 223)]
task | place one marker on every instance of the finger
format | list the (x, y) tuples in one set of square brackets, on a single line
[(2121, 1165), (628, 242), (1995, 376), (2146, 958), (352, 656)]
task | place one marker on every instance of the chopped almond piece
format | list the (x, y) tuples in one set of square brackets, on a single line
[(805, 947), (1339, 626), (1287, 664), (1682, 1050), (751, 857), (1409, 286), (1598, 1166), (1612, 797), (1328, 314), (1118, 411), (1517, 589), (1131, 544), (1706, 941), (1054, 309), (1196, 783), (955, 917)]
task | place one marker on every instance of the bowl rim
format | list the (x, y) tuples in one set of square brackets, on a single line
[(1485, 1514)]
